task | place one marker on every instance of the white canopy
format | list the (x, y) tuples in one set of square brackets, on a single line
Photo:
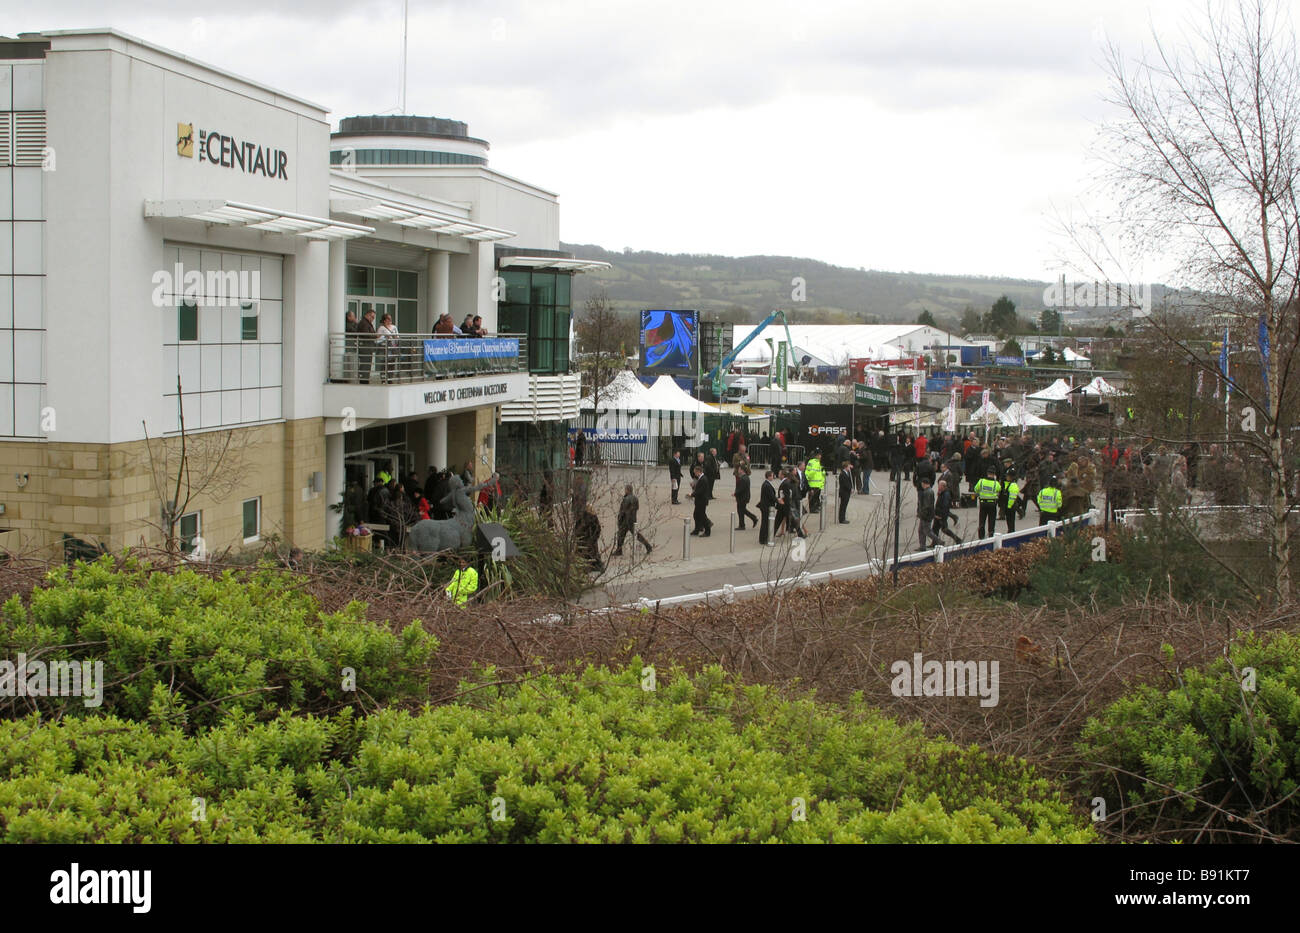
[(1017, 416), (1058, 391), (624, 392), (1100, 386), (666, 395), (1072, 357), (987, 412)]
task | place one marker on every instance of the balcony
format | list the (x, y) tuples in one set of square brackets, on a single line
[(360, 359), (413, 376)]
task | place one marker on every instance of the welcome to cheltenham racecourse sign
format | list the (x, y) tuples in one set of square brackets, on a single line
[(229, 152)]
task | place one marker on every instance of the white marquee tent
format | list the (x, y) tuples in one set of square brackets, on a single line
[(625, 392), (1017, 416), (1058, 391), (666, 395)]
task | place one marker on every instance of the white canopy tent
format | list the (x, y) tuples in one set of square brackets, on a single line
[(1073, 357), (1058, 391), (1017, 416), (1100, 386), (666, 395), (625, 392)]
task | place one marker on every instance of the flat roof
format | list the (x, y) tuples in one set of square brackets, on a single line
[(168, 53)]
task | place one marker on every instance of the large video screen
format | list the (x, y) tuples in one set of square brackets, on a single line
[(670, 342)]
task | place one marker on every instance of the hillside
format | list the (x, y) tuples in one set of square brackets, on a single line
[(745, 288)]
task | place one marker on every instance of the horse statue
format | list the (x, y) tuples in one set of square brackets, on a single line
[(447, 533)]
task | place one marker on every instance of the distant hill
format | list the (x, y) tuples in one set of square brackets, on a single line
[(744, 289)]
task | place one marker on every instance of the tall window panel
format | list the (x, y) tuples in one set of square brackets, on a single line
[(221, 336), (22, 242)]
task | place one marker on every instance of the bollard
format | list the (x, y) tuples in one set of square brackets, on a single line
[(821, 512), (732, 529), (686, 539)]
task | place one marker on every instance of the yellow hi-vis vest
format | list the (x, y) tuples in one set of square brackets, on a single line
[(987, 490), (464, 584), (1049, 500), (1013, 493), (816, 475)]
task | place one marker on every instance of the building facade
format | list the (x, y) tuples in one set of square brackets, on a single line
[(180, 249)]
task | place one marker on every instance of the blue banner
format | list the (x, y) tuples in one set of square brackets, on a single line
[(1223, 365), (615, 436), (436, 350), (1009, 360), (1263, 358)]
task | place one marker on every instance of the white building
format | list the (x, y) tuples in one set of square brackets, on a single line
[(164, 222), (835, 344)]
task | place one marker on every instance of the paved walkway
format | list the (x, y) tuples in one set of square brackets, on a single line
[(711, 563)]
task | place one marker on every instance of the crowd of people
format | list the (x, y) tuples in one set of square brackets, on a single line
[(1000, 478), (372, 347), (399, 503)]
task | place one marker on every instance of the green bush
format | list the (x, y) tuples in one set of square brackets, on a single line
[(1164, 559), (575, 758), (190, 648), (1208, 754)]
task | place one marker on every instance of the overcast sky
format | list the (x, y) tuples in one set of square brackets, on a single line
[(936, 137)]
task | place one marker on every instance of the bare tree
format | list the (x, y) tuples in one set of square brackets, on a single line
[(187, 466), (605, 339), (1204, 166)]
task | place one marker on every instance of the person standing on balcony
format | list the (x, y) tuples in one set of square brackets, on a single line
[(366, 342), (350, 345), (385, 338), (444, 326), (479, 329), (467, 327)]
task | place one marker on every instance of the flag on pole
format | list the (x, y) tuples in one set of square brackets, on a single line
[(985, 399), (1263, 357), (916, 393), (1200, 383), (1223, 366)]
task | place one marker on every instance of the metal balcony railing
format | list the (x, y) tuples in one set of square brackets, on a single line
[(364, 359)]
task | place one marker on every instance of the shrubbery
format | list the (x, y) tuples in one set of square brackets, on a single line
[(1186, 759), (573, 758), (191, 648)]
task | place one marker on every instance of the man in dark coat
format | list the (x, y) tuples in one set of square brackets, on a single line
[(587, 531), (742, 495), (675, 474), (627, 512), (711, 469), (366, 341), (845, 491), (766, 502), (703, 493)]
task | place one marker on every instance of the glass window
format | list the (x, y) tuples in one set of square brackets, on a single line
[(252, 519), (408, 285), (516, 286), (544, 355), (562, 283), (543, 289), (385, 283), (191, 526), (187, 321), (247, 321), (408, 317), (513, 319), (359, 280)]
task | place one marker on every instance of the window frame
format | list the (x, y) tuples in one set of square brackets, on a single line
[(187, 541), (243, 520)]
